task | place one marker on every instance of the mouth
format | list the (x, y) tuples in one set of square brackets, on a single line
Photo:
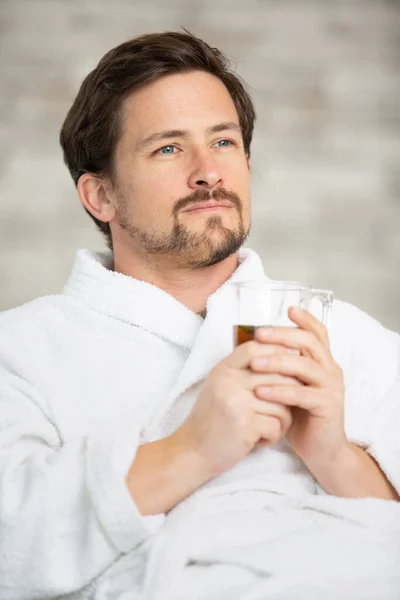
[(208, 207)]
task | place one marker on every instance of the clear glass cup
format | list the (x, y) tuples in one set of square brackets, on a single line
[(266, 303)]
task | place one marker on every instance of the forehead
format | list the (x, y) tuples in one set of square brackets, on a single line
[(192, 101)]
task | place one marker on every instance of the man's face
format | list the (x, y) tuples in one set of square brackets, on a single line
[(182, 152)]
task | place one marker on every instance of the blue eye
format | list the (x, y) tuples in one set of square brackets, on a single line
[(168, 150), (225, 143)]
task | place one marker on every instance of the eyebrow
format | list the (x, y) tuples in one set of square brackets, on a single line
[(174, 133)]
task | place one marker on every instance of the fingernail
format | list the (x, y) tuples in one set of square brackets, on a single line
[(298, 309), (265, 332), (264, 391), (260, 362)]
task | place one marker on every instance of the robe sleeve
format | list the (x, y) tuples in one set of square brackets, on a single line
[(384, 444), (65, 511), (369, 355)]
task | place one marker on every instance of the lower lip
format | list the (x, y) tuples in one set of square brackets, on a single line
[(208, 209)]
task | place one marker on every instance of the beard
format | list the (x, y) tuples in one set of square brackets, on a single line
[(193, 250)]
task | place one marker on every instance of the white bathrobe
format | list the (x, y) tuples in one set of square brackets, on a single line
[(112, 362)]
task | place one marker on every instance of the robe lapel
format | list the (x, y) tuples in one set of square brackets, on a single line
[(143, 305), (214, 340)]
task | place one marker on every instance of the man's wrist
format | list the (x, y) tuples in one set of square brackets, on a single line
[(355, 474), (164, 473)]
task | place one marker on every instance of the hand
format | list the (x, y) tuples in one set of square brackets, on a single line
[(228, 420), (317, 432)]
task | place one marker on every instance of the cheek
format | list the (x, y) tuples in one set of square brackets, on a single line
[(154, 201), (240, 171), (240, 183), (163, 186)]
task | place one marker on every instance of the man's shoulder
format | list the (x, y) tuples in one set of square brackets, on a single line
[(349, 319), (35, 319), (362, 344), (42, 307)]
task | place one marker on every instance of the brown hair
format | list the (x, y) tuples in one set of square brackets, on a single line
[(93, 125)]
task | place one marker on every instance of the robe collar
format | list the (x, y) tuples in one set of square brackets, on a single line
[(93, 282)]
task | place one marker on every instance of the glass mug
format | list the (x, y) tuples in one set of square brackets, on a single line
[(266, 303)]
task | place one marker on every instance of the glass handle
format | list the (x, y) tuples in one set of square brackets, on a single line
[(326, 299)]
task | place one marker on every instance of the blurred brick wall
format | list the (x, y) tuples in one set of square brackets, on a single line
[(325, 77)]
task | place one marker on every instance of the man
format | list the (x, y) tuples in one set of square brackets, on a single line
[(120, 399)]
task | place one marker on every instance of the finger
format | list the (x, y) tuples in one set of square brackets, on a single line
[(269, 429), (307, 398), (255, 379), (242, 355), (297, 339), (305, 320), (302, 368), (273, 409), (258, 363)]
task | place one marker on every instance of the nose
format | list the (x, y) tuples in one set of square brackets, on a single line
[(204, 172)]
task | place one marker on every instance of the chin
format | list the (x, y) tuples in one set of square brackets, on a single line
[(214, 252)]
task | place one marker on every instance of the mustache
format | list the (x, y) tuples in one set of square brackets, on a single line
[(202, 195)]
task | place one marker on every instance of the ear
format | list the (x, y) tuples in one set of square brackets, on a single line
[(95, 197)]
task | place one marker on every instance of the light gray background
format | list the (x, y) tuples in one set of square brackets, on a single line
[(325, 77)]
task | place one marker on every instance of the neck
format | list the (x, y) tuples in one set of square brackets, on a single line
[(191, 287)]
